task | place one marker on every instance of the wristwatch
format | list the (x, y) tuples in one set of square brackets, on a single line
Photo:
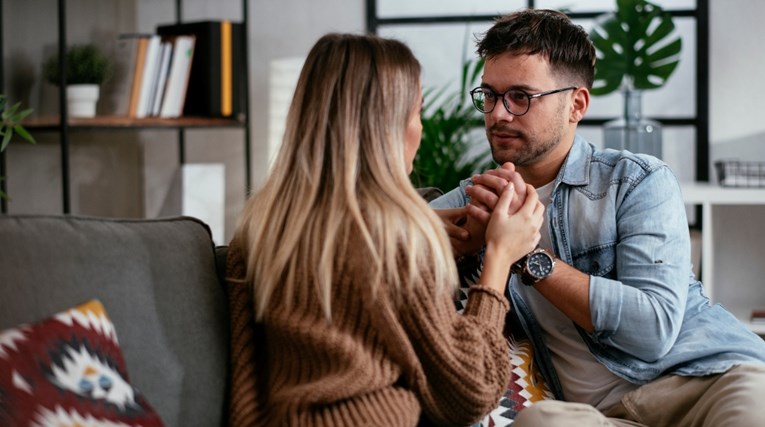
[(535, 266)]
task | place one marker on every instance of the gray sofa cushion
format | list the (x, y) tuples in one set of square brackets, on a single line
[(158, 282)]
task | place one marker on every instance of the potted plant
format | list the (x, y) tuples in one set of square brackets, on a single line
[(10, 125), (637, 49), (445, 157), (86, 69)]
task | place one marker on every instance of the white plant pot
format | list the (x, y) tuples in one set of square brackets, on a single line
[(81, 100)]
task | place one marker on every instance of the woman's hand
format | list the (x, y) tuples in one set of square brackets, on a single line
[(509, 236), (465, 233)]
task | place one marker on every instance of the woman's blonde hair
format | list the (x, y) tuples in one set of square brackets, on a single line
[(340, 174)]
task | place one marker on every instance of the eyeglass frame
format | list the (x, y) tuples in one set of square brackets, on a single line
[(504, 101)]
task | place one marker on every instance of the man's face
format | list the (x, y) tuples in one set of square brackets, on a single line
[(527, 139)]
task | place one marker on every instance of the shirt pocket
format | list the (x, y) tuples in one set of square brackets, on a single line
[(597, 261)]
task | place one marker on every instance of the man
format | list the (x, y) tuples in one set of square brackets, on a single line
[(621, 330)]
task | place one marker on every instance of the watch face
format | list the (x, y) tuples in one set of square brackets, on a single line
[(539, 265)]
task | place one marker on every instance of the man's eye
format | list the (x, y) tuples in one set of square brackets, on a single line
[(490, 96), (516, 96)]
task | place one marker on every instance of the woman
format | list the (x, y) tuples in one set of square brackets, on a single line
[(350, 273)]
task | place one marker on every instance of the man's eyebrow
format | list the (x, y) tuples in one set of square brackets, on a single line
[(524, 88)]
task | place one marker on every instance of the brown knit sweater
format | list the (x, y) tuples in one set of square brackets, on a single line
[(380, 361)]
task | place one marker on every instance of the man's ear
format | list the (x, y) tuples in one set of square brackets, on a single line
[(580, 105)]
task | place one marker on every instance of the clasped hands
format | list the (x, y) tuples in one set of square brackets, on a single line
[(503, 209)]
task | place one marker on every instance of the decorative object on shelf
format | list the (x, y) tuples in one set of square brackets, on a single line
[(632, 131), (10, 125), (637, 49), (86, 69), (737, 173), (447, 152)]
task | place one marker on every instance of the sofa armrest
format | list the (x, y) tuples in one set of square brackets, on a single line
[(158, 281)]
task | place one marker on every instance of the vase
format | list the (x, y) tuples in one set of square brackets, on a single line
[(632, 131), (81, 100)]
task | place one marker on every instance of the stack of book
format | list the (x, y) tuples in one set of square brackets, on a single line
[(188, 69)]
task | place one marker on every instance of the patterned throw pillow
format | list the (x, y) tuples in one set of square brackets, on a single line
[(526, 384), (68, 370)]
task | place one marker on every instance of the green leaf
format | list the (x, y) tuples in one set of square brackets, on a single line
[(636, 46), (10, 123), (6, 139), (24, 134)]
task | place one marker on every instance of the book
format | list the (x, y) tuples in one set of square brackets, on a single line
[(178, 77), (216, 83), (151, 64), (137, 80), (126, 57), (164, 67)]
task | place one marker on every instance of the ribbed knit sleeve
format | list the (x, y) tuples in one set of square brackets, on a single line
[(465, 358)]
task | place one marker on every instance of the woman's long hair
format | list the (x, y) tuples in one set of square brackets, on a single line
[(340, 175)]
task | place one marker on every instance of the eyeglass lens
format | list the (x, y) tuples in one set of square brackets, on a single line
[(517, 101)]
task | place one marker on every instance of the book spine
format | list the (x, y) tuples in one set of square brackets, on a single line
[(226, 70), (135, 90)]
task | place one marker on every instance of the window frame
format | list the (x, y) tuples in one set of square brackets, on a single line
[(699, 121)]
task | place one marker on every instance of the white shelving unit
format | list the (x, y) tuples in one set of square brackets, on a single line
[(738, 291)]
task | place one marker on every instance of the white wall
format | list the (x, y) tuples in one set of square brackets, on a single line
[(737, 86), (126, 173)]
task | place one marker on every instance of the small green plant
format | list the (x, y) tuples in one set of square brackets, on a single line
[(635, 47), (447, 121), (10, 125), (85, 64)]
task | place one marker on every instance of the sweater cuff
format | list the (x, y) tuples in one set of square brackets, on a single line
[(487, 303)]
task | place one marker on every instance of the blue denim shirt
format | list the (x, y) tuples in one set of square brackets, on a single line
[(620, 218)]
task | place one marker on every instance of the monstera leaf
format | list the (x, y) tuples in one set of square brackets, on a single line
[(636, 46)]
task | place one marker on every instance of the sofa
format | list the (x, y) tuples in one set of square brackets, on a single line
[(160, 281)]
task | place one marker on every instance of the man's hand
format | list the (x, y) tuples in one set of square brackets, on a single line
[(454, 220), (486, 188), (465, 233)]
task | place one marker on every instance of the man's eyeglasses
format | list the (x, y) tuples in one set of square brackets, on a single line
[(516, 101)]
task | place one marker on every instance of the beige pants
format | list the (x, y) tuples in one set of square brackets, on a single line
[(735, 398)]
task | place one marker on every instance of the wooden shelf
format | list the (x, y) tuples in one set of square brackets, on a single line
[(123, 122)]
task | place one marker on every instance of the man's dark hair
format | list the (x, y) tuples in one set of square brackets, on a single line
[(544, 32)]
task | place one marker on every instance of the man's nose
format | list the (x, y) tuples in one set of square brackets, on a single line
[(500, 113)]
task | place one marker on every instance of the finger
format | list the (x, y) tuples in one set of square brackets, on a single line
[(503, 204), (520, 185), (457, 233), (504, 173), (532, 198), (491, 180), (450, 215), (480, 195), (479, 215)]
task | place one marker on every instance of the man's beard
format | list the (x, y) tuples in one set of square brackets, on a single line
[(531, 149)]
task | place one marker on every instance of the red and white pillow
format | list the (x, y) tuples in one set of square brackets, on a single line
[(68, 370)]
